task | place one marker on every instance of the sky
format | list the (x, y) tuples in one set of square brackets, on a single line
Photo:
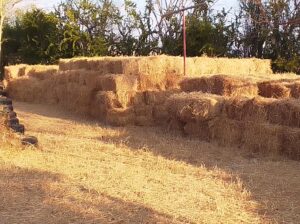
[(48, 4)]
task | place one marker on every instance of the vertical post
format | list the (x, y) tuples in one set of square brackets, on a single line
[(184, 43)]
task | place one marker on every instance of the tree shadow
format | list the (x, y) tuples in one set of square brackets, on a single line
[(33, 196), (272, 180)]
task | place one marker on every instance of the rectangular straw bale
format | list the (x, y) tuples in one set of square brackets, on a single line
[(196, 85), (126, 98), (228, 86), (295, 89), (146, 120), (118, 83), (220, 85), (172, 81), (107, 99), (199, 130), (138, 99), (271, 89), (291, 143), (86, 78), (247, 109), (120, 117), (226, 132), (160, 114), (194, 106), (41, 72), (285, 112), (14, 71), (175, 125), (262, 138), (145, 110), (62, 78), (158, 97)]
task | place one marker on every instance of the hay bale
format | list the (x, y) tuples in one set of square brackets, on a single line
[(160, 114), (264, 110), (262, 138), (138, 99), (228, 86), (291, 143), (146, 120), (13, 72), (272, 89), (174, 124), (158, 97), (199, 130), (194, 106), (247, 109), (220, 85), (107, 99), (41, 72), (34, 71), (295, 90), (285, 112), (196, 85), (143, 110), (226, 132), (118, 83), (126, 98), (120, 117)]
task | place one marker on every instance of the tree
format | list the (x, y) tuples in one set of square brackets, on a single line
[(86, 26), (32, 37), (5, 6), (271, 30)]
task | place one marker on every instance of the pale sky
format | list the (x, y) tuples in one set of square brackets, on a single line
[(48, 4)]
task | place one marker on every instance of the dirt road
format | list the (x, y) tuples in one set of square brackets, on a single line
[(85, 172)]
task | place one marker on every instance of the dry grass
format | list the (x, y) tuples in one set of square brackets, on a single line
[(87, 173)]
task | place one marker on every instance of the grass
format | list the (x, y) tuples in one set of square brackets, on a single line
[(84, 172)]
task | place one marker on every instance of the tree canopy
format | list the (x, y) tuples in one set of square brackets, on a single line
[(263, 29)]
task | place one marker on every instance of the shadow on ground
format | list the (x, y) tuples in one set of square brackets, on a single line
[(273, 182), (32, 196)]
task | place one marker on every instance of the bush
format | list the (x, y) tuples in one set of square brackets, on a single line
[(285, 65)]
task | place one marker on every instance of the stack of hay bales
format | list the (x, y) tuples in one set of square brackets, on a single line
[(123, 90), (259, 124)]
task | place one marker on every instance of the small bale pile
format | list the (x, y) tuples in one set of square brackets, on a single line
[(221, 85), (258, 124)]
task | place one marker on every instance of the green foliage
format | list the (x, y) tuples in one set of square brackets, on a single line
[(32, 38), (204, 37), (263, 29), (285, 65)]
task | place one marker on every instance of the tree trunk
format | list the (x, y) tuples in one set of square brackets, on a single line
[(1, 35)]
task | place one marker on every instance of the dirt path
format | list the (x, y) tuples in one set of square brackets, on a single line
[(88, 173)]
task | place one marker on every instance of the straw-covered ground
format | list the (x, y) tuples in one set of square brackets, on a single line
[(84, 172)]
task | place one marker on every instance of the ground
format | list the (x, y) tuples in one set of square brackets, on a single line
[(83, 172)]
